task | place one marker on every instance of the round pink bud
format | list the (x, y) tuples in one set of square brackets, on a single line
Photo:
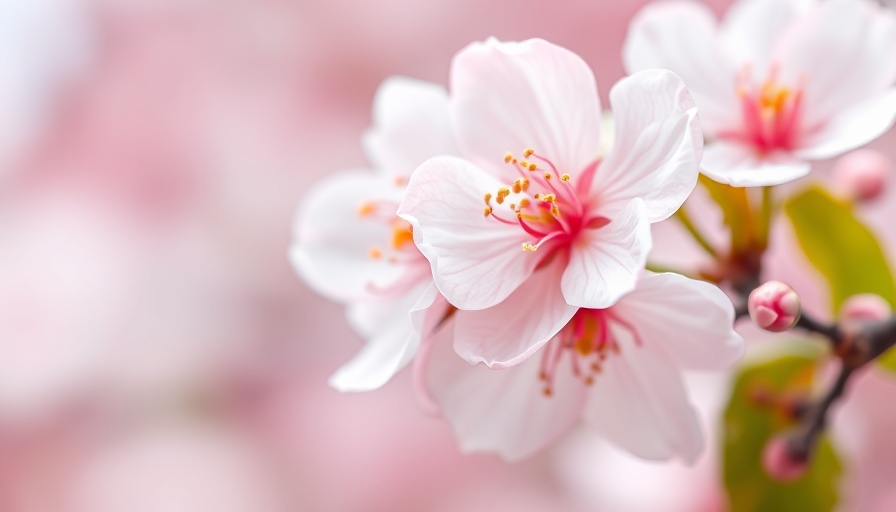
[(865, 307), (862, 175), (774, 306), (779, 463)]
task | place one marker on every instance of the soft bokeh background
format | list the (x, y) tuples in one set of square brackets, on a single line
[(156, 350)]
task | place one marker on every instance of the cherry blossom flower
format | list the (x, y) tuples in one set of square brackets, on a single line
[(618, 369), (777, 82), (534, 236), (351, 247)]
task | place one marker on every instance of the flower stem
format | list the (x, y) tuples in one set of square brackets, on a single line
[(685, 220), (765, 217)]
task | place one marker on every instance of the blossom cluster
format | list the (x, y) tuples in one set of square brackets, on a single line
[(498, 251)]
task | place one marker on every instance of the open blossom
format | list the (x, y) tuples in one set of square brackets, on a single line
[(530, 237), (351, 247), (617, 369), (778, 82), (542, 252)]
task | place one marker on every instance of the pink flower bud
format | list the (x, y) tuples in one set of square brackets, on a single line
[(865, 307), (780, 464), (862, 175), (774, 306)]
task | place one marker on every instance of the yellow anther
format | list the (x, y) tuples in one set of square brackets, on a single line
[(487, 211), (400, 180), (524, 163), (512, 206), (503, 192), (488, 198), (548, 198), (531, 167), (529, 248), (402, 235), (508, 157), (524, 202), (564, 176), (547, 392), (517, 188), (589, 380), (547, 176), (375, 253), (366, 209), (524, 183), (528, 152), (555, 211)]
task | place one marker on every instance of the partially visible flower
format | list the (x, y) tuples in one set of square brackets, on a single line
[(533, 226), (865, 307), (774, 306), (618, 369), (778, 82), (862, 175), (351, 247)]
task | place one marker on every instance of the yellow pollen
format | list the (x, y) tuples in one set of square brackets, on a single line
[(524, 202), (564, 176), (531, 167), (487, 211), (366, 209), (402, 235), (547, 176), (488, 198), (503, 192), (773, 97), (375, 253), (529, 248), (528, 152), (547, 391), (508, 157), (548, 198), (589, 380), (583, 346), (516, 187)]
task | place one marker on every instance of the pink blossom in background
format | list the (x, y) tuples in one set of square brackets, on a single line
[(777, 82)]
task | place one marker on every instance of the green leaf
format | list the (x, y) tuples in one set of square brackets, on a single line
[(842, 249), (750, 425), (735, 206)]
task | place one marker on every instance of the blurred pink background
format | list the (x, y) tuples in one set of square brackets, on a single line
[(157, 351)]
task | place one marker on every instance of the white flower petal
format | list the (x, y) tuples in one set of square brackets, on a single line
[(851, 128), (605, 263), (837, 51), (739, 165), (393, 343), (658, 142), (410, 124), (752, 28), (476, 261), (691, 321), (503, 411), (508, 333), (513, 96), (682, 36), (639, 403), (331, 242)]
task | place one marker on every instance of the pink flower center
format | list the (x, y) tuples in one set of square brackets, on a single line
[(587, 341), (770, 112), (544, 202)]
